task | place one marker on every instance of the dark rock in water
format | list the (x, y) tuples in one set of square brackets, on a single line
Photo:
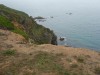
[(39, 17), (61, 39), (70, 13), (19, 22), (52, 17), (41, 20)]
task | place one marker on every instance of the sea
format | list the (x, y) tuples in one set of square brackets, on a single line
[(77, 21)]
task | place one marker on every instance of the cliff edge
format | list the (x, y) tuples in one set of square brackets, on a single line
[(20, 58), (23, 24)]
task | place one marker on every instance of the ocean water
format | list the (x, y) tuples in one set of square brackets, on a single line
[(76, 20)]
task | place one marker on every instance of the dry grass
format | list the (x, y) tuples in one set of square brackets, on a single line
[(41, 62), (18, 58)]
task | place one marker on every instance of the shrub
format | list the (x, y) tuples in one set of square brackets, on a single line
[(97, 70), (8, 52)]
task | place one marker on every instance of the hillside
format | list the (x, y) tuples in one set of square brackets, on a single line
[(20, 58), (23, 24)]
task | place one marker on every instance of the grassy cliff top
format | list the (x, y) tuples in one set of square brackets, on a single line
[(20, 58)]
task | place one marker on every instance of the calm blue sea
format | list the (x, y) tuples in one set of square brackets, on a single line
[(77, 20)]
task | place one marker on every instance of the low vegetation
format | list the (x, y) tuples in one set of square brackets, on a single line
[(21, 32), (8, 52), (74, 66), (80, 58), (41, 63), (97, 70), (7, 25), (27, 26), (47, 62)]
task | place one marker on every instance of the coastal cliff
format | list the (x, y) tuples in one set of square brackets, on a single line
[(23, 24), (20, 57)]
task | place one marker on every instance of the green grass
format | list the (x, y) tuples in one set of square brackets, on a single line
[(21, 32), (5, 23)]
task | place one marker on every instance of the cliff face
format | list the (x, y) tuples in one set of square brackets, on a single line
[(19, 22)]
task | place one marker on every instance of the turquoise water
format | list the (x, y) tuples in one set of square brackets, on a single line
[(81, 28)]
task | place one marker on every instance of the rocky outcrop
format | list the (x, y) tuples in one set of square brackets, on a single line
[(26, 26)]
